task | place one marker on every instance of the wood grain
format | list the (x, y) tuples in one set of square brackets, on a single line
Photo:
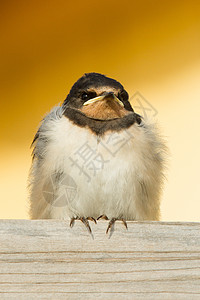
[(46, 259)]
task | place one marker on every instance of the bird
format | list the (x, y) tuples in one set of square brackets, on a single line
[(95, 157)]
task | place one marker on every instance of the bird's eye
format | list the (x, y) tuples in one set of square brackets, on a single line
[(88, 95), (84, 96)]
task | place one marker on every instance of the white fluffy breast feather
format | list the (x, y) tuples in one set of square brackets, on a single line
[(76, 174)]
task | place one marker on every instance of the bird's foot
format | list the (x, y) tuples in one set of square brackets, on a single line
[(84, 220), (112, 222), (102, 217)]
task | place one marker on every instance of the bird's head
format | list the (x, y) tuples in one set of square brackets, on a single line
[(99, 97)]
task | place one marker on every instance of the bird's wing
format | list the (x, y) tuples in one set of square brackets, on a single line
[(40, 176), (41, 139)]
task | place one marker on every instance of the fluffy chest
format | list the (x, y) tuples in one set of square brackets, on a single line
[(117, 174), (105, 171), (81, 153)]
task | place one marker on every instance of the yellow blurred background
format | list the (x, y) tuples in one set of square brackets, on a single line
[(149, 46)]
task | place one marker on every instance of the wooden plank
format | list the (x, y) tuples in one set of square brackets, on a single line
[(46, 259)]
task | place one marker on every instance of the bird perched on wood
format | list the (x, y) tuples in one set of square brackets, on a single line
[(95, 157)]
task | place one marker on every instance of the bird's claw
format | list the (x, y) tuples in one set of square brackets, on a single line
[(87, 225), (92, 219), (112, 222), (84, 221), (102, 217)]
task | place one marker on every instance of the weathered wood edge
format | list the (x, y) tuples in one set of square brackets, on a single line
[(46, 259), (140, 236)]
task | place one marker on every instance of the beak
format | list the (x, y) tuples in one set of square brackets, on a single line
[(109, 95)]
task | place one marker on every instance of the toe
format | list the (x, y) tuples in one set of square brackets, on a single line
[(104, 217), (92, 219), (111, 224), (85, 221)]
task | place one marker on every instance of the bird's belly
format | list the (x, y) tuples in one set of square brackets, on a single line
[(100, 174)]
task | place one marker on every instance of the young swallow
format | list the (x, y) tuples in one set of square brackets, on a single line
[(95, 157)]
